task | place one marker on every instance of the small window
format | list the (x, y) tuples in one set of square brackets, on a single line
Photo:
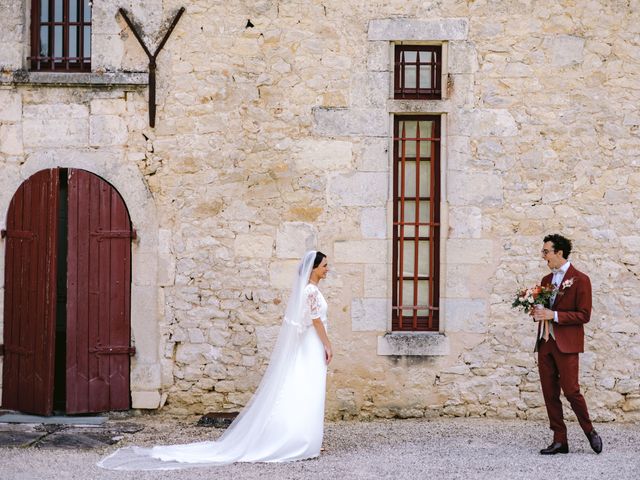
[(418, 72), (61, 35), (416, 223)]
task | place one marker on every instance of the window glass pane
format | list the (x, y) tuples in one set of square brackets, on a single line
[(73, 10), (44, 10), (73, 41), (409, 145), (57, 9), (425, 76), (44, 41), (87, 10), (423, 297), (408, 248), (407, 297), (410, 179), (409, 76), (87, 42), (57, 41), (410, 56)]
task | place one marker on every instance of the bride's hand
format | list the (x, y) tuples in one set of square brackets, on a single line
[(328, 353)]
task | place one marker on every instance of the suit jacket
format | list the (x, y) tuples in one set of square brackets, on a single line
[(573, 305)]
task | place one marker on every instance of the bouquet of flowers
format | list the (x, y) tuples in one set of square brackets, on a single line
[(529, 297)]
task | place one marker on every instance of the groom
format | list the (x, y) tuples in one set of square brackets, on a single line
[(560, 339)]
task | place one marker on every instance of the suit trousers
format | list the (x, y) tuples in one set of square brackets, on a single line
[(560, 371)]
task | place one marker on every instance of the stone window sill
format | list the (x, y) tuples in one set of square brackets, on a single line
[(414, 343), (79, 79)]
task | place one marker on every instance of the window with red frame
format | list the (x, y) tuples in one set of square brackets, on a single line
[(61, 35), (418, 72), (416, 223)]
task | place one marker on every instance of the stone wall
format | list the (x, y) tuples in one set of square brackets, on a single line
[(274, 138)]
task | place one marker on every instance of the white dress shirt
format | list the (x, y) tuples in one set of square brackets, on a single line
[(558, 275)]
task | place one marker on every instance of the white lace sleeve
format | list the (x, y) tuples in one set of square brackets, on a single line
[(312, 304)]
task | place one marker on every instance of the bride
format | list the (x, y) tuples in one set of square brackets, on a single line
[(283, 421)]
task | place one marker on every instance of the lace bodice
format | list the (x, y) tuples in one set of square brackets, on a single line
[(315, 304)]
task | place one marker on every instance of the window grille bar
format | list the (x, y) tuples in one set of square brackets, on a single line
[(416, 231), (401, 248)]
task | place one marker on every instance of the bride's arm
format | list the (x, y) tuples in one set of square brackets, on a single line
[(322, 333)]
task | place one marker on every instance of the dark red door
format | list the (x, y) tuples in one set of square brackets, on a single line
[(98, 296), (30, 295)]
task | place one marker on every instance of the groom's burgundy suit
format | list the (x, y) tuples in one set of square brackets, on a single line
[(558, 360)]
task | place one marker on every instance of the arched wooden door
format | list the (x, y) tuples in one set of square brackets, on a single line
[(88, 233)]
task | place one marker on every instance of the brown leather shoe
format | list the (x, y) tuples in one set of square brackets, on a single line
[(555, 447), (595, 441)]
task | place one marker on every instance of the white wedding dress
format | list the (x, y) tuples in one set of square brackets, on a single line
[(284, 420)]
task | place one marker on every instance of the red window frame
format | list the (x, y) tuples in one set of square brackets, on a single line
[(416, 320), (61, 35), (426, 56)]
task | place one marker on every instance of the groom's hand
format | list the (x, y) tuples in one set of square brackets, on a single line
[(540, 314)]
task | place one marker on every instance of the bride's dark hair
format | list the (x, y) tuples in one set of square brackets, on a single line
[(318, 259)]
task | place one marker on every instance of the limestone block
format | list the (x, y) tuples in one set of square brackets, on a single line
[(376, 283), (196, 335), (10, 105), (462, 57), (144, 268), (108, 53), (11, 139), (465, 222), (197, 354), (631, 120), (144, 321), (146, 400), (631, 243), (107, 130), (322, 155), (108, 106), (55, 131), (466, 315), (166, 270), (370, 314), (225, 386), (253, 246), (564, 50), (354, 121), (374, 155), (418, 29), (11, 55), (462, 250), (293, 239), (358, 189), (378, 57), (145, 376), (360, 251), (480, 189), (373, 222), (282, 273), (370, 89), (483, 123)]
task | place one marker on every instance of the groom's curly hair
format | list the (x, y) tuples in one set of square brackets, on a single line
[(559, 243)]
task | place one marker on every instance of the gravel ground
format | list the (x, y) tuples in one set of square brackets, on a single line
[(440, 449)]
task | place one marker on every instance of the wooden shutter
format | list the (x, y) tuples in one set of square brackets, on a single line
[(98, 296), (30, 295)]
